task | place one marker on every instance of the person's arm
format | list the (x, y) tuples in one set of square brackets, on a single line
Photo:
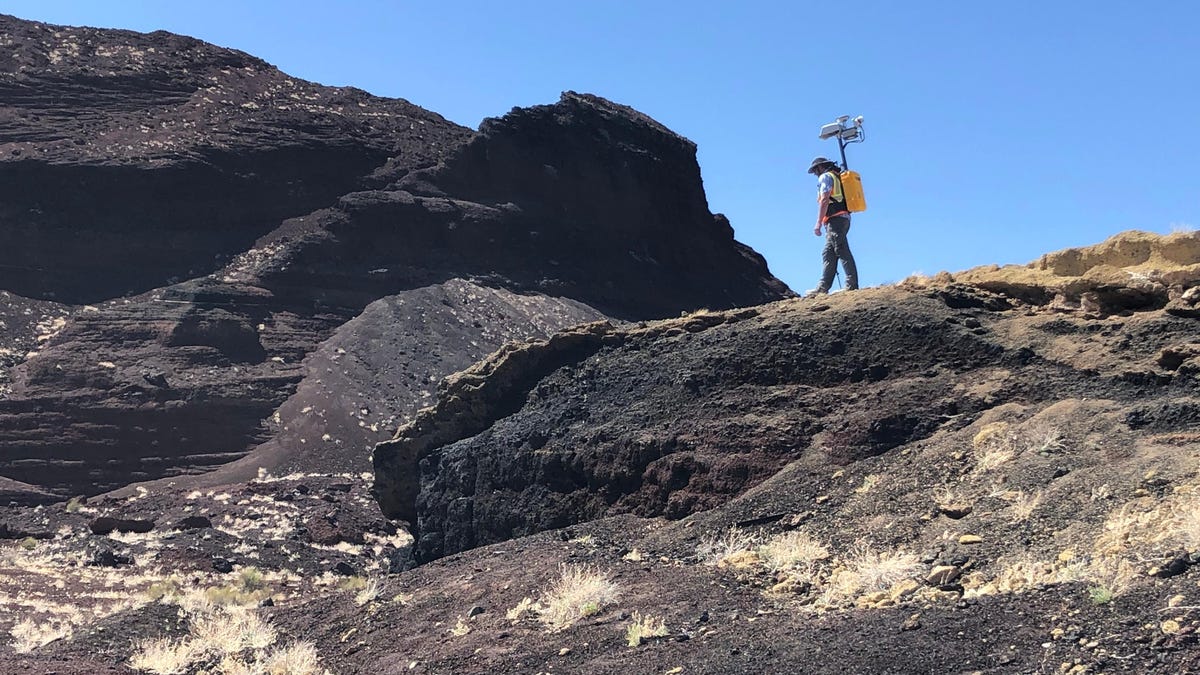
[(823, 194)]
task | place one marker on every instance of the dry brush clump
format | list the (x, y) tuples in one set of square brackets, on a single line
[(801, 565), (998, 443), (867, 571), (28, 635), (579, 592), (236, 639), (794, 551), (643, 627), (733, 546)]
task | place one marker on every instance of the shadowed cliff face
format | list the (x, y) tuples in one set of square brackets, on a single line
[(247, 216)]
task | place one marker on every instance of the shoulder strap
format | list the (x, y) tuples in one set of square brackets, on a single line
[(837, 186)]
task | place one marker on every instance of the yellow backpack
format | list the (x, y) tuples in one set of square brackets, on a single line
[(852, 191)]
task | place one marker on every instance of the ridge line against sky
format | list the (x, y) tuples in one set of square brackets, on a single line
[(995, 131)]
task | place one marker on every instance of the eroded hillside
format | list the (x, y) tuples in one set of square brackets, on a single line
[(942, 476), (183, 227)]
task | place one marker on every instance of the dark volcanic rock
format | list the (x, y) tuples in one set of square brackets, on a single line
[(108, 524), (15, 492), (134, 161), (381, 367), (128, 159), (682, 416)]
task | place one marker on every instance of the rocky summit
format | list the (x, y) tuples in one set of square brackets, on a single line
[(300, 380)]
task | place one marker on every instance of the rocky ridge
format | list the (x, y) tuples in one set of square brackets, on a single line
[(935, 476), (210, 222)]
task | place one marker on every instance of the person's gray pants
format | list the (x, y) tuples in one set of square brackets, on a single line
[(837, 247)]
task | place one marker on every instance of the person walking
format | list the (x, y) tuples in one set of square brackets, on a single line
[(833, 216)]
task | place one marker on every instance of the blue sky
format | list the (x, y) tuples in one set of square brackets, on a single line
[(995, 131)]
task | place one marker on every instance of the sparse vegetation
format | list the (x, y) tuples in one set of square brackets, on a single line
[(868, 483), (643, 627), (792, 551), (370, 591), (250, 579), (1023, 505), (993, 447), (1100, 595), (715, 549), (298, 658), (163, 656), (28, 635), (240, 638), (526, 607), (579, 592), (867, 570)]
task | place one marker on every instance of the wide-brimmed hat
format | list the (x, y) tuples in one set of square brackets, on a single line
[(818, 163)]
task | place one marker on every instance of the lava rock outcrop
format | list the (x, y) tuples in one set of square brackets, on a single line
[(190, 224), (679, 417)]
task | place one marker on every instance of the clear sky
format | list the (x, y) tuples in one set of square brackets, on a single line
[(996, 131)]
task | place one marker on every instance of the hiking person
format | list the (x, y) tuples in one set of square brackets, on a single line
[(835, 218)]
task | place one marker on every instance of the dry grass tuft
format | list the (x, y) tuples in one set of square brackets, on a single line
[(1145, 524), (236, 638), (526, 607), (460, 628), (163, 656), (1113, 576), (28, 635), (999, 443), (370, 591), (232, 631), (644, 627), (1023, 505), (715, 548), (1026, 572), (579, 593), (299, 658), (868, 483), (792, 551), (868, 571)]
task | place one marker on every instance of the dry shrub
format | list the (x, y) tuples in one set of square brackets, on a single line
[(1185, 522), (715, 548), (580, 592), (1113, 576), (1146, 524), (526, 607), (792, 551), (998, 443), (460, 628), (231, 632), (298, 658), (225, 633), (868, 483), (1023, 504), (232, 665), (993, 446), (867, 571), (644, 627), (1025, 572), (164, 656), (28, 635), (370, 591)]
